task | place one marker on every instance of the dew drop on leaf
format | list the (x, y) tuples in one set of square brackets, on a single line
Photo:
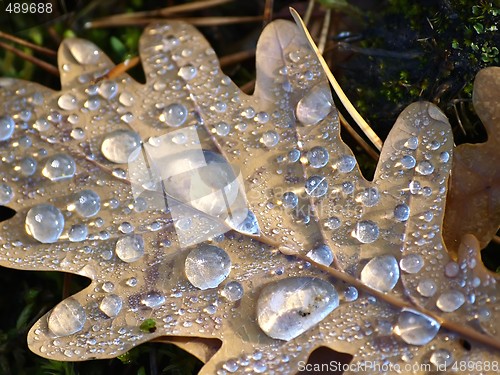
[(315, 105), (207, 266), (415, 328), (87, 203), (44, 223), (111, 305), (289, 307), (78, 233), (270, 138), (59, 167), (401, 212), (232, 291), (441, 358), (411, 263), (450, 301), (366, 231), (290, 199), (6, 194), (68, 317), (67, 102), (381, 273), (7, 126), (346, 163), (84, 52), (426, 287), (316, 186), (318, 157), (130, 248), (188, 72), (174, 115), (121, 146), (321, 254)]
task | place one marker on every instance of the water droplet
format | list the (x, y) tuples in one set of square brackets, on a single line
[(27, 166), (243, 221), (408, 162), (366, 231), (126, 99), (59, 167), (441, 358), (67, 102), (351, 294), (44, 223), (78, 133), (416, 328), (207, 266), (316, 186), (130, 248), (412, 143), (411, 263), (222, 129), (315, 105), (333, 223), (68, 317), (294, 155), (289, 307), (426, 287), (232, 291), (153, 300), (121, 146), (88, 203), (318, 157), (424, 168), (108, 89), (111, 305), (451, 269), (187, 72), (270, 138), (321, 254), (369, 197), (84, 52), (77, 233), (174, 115), (401, 212), (450, 301), (41, 125), (290, 200), (6, 194), (414, 187), (7, 126), (444, 157), (346, 164), (381, 273)]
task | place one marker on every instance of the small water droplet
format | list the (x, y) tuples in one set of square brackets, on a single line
[(441, 358), (27, 166), (87, 203), (322, 255), (244, 221), (412, 143), (121, 146), (207, 266), (408, 162), (270, 138), (369, 197), (67, 102), (130, 248), (351, 294), (450, 301), (108, 89), (346, 164), (84, 52), (401, 212), (222, 129), (153, 300), (333, 223), (426, 287), (232, 291), (294, 155), (7, 126), (444, 157), (111, 305), (316, 186), (77, 233), (424, 168), (290, 200), (68, 317), (381, 273), (411, 263), (315, 105), (366, 231), (59, 167), (6, 194), (318, 157), (174, 115), (44, 223), (416, 328), (287, 308), (187, 72)]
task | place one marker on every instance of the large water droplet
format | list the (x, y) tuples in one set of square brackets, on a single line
[(411, 263), (111, 305), (6, 194), (153, 299), (78, 232), (88, 203), (408, 161), (426, 287), (424, 168), (381, 273), (44, 223), (207, 266), (318, 157), (416, 328), (321, 254), (174, 115), (84, 52), (67, 102), (315, 106), (59, 167), (289, 307), (68, 317), (450, 301), (366, 231), (130, 248), (316, 186), (232, 291), (121, 146), (187, 72), (7, 126)]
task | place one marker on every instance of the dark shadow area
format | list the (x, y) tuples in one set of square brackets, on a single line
[(6, 213)]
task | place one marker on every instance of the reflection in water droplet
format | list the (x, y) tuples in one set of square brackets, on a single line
[(84, 52), (318, 157), (77, 233), (315, 105), (424, 168), (153, 299), (333, 223), (87, 203), (67, 102), (316, 186), (174, 115), (289, 307), (270, 138), (321, 254), (411, 263), (111, 305), (408, 161), (7, 126), (244, 221), (351, 294), (130, 248), (121, 146), (207, 266), (232, 291), (416, 328), (68, 317), (369, 197), (290, 200), (59, 167), (426, 287), (412, 143), (346, 164), (381, 273), (401, 212), (222, 129), (450, 301), (187, 72), (366, 231), (27, 166), (44, 223)]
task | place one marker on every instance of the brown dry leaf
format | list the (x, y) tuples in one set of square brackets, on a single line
[(147, 224), (473, 202)]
